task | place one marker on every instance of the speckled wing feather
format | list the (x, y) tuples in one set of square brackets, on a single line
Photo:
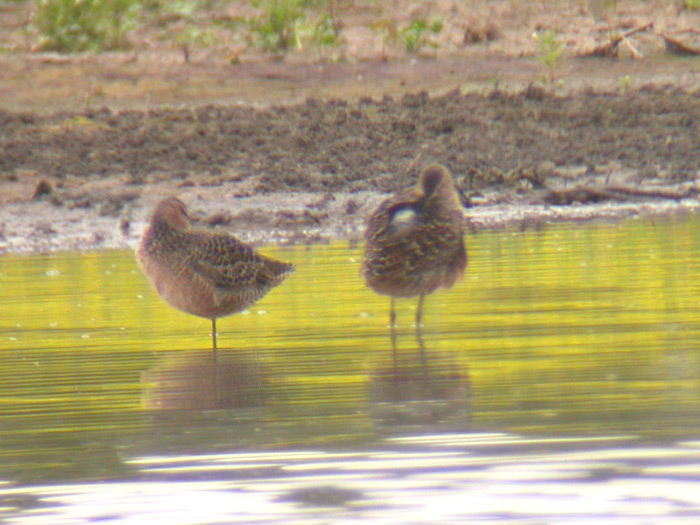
[(228, 263)]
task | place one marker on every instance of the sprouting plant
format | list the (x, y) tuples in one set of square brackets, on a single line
[(85, 25), (285, 24), (386, 27), (323, 32), (277, 27), (495, 82), (415, 35), (549, 52), (625, 82), (609, 7), (190, 37)]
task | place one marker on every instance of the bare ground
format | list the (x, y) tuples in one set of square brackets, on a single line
[(301, 151)]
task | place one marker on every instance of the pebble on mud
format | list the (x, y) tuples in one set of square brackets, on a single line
[(222, 218), (43, 189)]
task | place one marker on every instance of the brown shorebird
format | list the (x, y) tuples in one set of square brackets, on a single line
[(203, 273), (414, 241)]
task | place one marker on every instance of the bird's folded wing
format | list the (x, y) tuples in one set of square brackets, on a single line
[(226, 263)]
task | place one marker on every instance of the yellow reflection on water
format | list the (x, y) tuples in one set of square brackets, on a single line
[(584, 329)]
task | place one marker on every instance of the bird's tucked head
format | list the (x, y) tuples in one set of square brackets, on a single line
[(437, 183), (171, 213)]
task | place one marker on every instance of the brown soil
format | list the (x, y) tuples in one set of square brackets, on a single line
[(303, 150)]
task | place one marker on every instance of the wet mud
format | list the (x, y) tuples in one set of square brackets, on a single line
[(314, 170)]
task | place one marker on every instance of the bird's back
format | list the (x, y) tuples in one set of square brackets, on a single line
[(414, 244)]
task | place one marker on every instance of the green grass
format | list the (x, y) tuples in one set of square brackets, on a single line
[(288, 24), (85, 25), (416, 35), (413, 36), (70, 26)]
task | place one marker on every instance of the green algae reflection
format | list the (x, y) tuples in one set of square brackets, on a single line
[(575, 329)]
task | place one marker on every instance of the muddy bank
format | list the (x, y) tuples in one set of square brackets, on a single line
[(280, 218), (314, 171)]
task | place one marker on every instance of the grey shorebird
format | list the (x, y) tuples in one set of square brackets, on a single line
[(204, 273), (414, 241)]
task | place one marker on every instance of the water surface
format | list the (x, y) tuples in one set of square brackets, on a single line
[(559, 380)]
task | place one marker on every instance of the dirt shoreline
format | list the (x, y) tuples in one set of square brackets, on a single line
[(313, 171), (282, 218), (301, 150)]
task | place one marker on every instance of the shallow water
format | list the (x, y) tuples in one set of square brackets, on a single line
[(559, 381)]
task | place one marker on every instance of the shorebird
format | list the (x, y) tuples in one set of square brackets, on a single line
[(414, 241), (204, 273)]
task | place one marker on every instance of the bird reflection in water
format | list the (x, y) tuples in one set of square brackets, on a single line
[(193, 380), (421, 392)]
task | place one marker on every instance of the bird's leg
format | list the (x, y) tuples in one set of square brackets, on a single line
[(392, 322), (419, 334), (421, 350), (419, 312), (214, 368)]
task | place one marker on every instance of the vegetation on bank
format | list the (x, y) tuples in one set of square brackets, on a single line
[(332, 29), (273, 26)]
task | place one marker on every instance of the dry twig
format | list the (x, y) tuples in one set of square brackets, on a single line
[(609, 49)]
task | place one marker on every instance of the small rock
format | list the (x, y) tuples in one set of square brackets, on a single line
[(253, 216), (351, 207), (322, 203), (545, 170), (43, 189), (222, 218), (124, 226)]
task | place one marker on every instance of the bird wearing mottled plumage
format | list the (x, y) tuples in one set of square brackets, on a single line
[(414, 241), (204, 273)]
